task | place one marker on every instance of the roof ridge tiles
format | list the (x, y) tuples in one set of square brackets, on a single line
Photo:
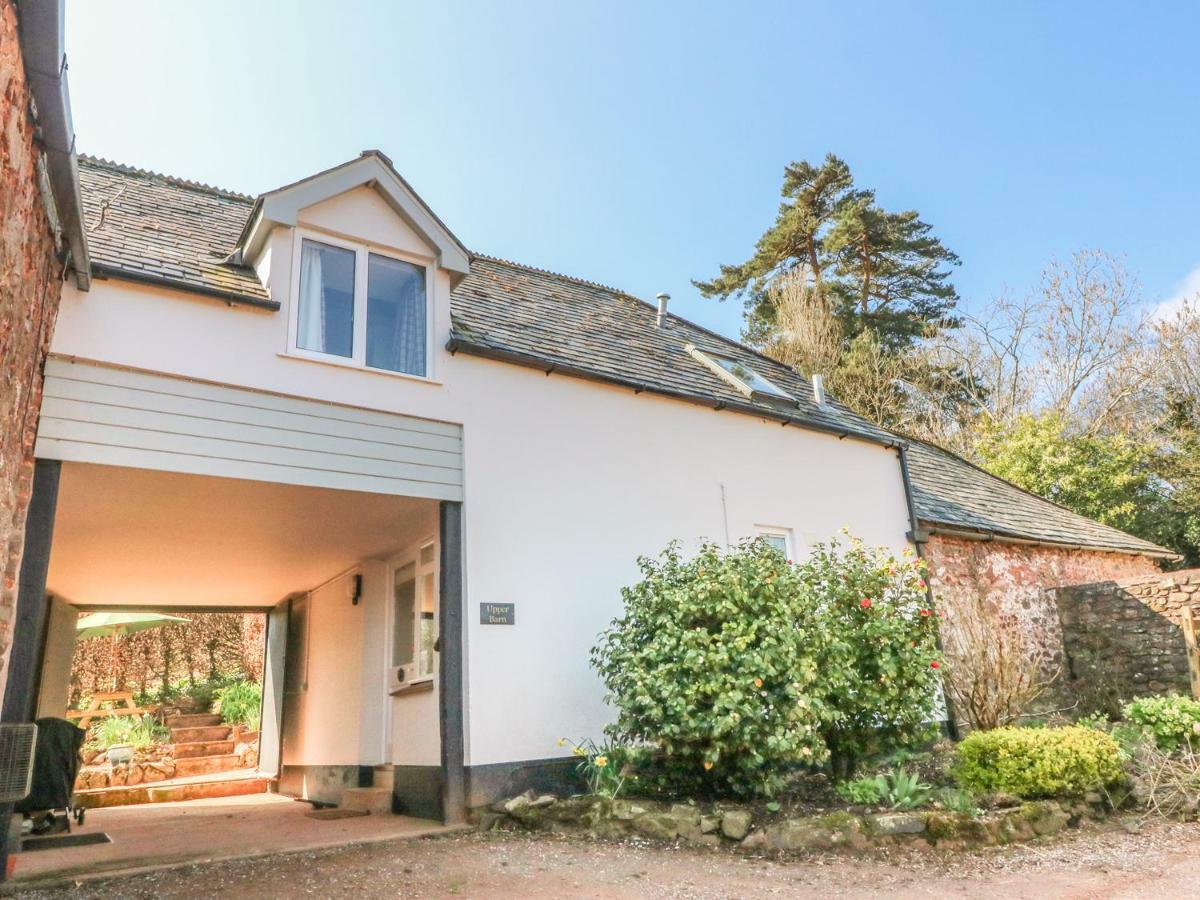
[(174, 180)]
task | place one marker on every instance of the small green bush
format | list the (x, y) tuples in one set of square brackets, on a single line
[(136, 731), (1038, 762), (240, 703), (860, 791), (1173, 720)]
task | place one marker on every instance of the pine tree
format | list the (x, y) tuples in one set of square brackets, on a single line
[(879, 271)]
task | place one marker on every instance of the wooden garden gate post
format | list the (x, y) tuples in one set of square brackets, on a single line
[(1191, 628)]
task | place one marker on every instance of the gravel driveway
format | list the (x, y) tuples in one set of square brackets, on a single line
[(1163, 861)]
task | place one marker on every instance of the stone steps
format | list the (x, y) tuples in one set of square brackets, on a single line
[(193, 720), (170, 793), (200, 734), (374, 800), (190, 766), (202, 748)]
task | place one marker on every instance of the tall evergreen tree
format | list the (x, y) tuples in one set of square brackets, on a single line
[(879, 271)]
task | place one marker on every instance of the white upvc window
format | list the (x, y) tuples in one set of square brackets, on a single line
[(355, 305), (414, 612), (778, 538)]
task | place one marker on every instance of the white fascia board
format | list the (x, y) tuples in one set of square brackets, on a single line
[(282, 207)]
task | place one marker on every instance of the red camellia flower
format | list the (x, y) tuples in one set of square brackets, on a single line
[(921, 585), (935, 665), (865, 602), (926, 612)]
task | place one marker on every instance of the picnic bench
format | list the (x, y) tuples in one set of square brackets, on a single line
[(94, 710)]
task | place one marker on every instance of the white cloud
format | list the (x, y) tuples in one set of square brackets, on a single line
[(1187, 289)]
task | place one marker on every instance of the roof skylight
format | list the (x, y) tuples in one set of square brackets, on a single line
[(740, 375)]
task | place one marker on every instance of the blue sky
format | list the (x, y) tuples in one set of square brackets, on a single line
[(643, 144)]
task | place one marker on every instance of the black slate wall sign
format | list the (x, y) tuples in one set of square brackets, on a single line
[(497, 614)]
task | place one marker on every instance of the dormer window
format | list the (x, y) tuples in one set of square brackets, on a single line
[(361, 307), (740, 375)]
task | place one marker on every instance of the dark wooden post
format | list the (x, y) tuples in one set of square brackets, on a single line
[(451, 637), (29, 623), (1191, 630)]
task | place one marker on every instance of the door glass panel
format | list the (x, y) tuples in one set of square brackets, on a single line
[(428, 623), (404, 598)]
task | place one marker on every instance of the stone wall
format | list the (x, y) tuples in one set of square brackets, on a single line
[(1013, 579), (30, 285), (1122, 637)]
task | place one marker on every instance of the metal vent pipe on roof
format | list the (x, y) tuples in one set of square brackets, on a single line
[(663, 299), (818, 382)]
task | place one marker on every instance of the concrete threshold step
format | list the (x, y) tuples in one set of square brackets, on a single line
[(170, 793), (375, 800), (193, 720), (206, 765), (200, 733), (201, 748)]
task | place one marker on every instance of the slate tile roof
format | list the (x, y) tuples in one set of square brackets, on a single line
[(527, 312), (151, 227), (143, 225), (949, 491)]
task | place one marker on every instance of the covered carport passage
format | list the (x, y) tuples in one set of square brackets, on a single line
[(159, 492)]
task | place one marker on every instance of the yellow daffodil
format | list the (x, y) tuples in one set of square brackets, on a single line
[(707, 765), (601, 761)]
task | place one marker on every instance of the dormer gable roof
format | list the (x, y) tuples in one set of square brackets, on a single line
[(371, 169)]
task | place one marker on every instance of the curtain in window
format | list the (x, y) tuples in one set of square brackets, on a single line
[(312, 317), (395, 315)]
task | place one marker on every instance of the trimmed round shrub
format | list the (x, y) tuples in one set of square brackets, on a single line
[(714, 664), (1173, 720), (1038, 762)]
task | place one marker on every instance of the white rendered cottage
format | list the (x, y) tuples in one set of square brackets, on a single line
[(436, 469)]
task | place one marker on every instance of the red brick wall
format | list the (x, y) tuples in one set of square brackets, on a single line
[(30, 285), (1014, 577)]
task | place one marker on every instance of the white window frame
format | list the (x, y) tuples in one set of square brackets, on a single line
[(777, 531), (420, 570), (709, 362), (362, 251)]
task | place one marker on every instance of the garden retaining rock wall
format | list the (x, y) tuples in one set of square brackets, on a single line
[(1122, 638), (743, 828)]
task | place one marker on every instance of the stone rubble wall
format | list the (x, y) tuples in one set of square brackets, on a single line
[(744, 829), (1013, 578), (30, 287), (1122, 638)]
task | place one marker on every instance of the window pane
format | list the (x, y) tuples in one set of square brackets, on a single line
[(404, 598), (326, 315), (428, 633), (748, 376), (395, 315), (776, 541)]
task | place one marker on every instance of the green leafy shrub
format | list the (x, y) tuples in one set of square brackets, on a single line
[(1174, 721), (902, 790), (860, 791), (713, 664), (737, 668), (240, 703), (879, 659), (136, 731), (1038, 762), (957, 800)]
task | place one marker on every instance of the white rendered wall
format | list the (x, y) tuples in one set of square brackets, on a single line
[(566, 483)]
